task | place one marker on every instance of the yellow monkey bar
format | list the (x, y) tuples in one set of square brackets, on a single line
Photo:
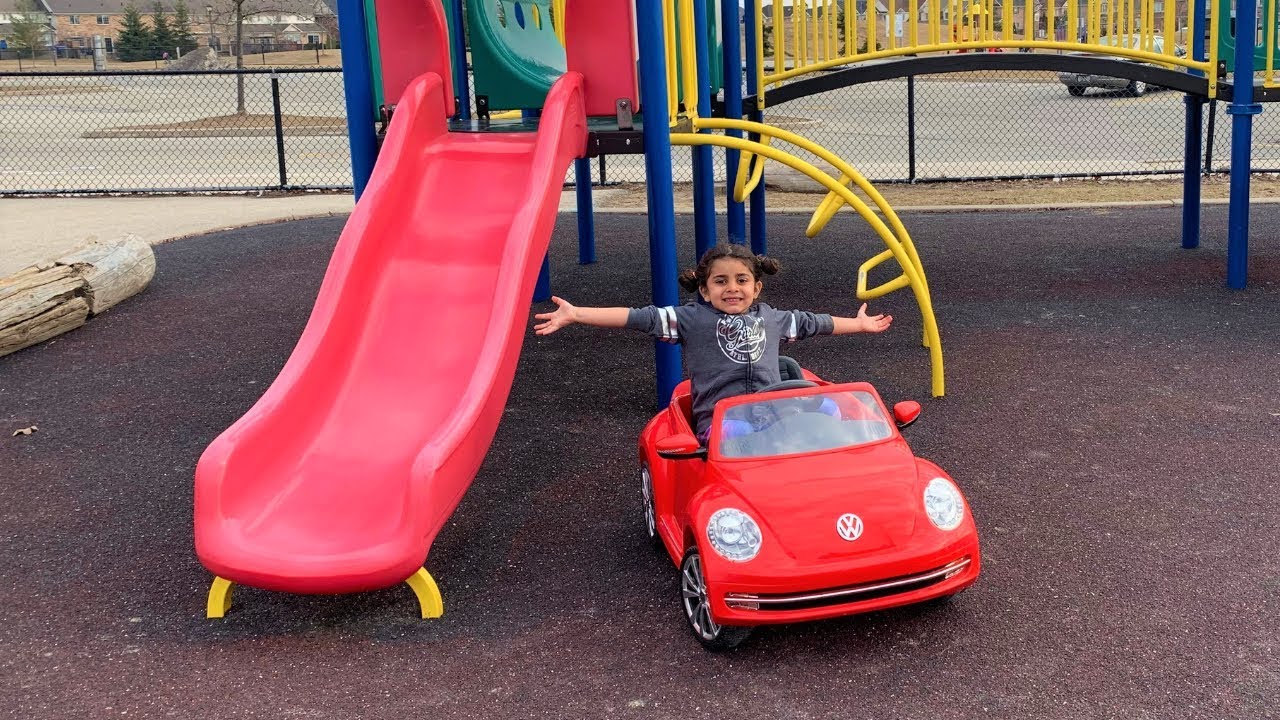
[(897, 239)]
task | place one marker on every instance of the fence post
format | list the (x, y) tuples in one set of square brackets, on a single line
[(275, 104), (1208, 142), (911, 128)]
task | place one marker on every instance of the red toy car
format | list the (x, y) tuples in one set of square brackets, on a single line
[(805, 503)]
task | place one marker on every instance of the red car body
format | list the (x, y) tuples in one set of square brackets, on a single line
[(804, 569)]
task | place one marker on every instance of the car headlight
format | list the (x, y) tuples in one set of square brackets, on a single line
[(733, 534), (943, 504)]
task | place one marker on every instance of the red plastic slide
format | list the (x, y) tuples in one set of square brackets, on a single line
[(342, 474)]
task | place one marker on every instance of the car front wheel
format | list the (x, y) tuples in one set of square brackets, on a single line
[(1075, 90), (1136, 88), (697, 608)]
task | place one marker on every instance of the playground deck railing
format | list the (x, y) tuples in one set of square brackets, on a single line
[(823, 36)]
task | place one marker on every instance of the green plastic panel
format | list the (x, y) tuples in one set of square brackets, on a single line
[(515, 54), (1227, 40)]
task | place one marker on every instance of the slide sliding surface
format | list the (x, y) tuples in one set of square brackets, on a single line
[(341, 475)]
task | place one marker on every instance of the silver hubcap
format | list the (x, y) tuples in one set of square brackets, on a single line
[(646, 489), (697, 607)]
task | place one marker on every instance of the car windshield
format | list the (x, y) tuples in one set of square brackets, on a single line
[(805, 423)]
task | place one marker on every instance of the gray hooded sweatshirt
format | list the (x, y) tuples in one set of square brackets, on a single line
[(727, 355)]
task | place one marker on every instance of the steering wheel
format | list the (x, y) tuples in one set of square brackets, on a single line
[(788, 385)]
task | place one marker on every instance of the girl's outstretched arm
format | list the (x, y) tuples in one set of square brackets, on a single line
[(567, 314), (862, 323)]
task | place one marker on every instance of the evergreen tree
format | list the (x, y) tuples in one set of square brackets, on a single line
[(162, 39), (134, 41), (27, 28), (181, 28)]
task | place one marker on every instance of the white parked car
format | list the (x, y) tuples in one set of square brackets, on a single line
[(1077, 83)]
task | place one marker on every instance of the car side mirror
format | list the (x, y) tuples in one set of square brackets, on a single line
[(906, 412), (681, 447)]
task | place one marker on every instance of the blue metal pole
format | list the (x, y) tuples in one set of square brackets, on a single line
[(730, 22), (357, 82), (1194, 141), (1242, 109), (657, 165), (458, 45), (542, 289), (1192, 145), (704, 179), (758, 243), (586, 214)]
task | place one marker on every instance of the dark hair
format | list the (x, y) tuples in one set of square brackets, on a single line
[(759, 265)]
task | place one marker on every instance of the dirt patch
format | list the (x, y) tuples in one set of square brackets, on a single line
[(231, 126), (996, 193)]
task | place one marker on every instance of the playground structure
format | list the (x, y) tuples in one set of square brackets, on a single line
[(342, 474)]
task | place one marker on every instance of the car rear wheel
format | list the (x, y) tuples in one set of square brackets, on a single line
[(697, 608), (1136, 88), (650, 514), (1076, 90)]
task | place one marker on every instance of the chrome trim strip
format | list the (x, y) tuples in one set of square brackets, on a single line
[(951, 569)]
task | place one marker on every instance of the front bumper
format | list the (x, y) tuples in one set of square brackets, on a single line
[(742, 601)]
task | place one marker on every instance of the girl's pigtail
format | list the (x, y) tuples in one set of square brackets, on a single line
[(688, 280), (767, 265)]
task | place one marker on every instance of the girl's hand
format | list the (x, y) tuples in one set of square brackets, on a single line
[(873, 323), (563, 316)]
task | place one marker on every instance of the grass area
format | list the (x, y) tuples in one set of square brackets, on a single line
[(291, 58)]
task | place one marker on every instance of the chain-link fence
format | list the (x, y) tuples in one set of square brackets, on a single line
[(285, 129), (170, 131)]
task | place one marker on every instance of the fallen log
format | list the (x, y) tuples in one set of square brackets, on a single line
[(48, 299)]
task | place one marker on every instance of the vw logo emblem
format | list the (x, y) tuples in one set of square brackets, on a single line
[(849, 527)]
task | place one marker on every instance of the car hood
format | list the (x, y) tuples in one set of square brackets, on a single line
[(798, 501)]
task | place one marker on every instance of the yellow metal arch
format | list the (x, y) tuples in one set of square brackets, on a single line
[(915, 276)]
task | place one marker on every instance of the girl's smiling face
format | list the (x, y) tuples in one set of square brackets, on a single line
[(731, 288)]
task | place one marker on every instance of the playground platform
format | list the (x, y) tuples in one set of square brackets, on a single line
[(1111, 414)]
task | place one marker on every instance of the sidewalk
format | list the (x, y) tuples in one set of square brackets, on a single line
[(36, 230)]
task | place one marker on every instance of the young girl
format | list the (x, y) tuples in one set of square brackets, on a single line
[(731, 343)]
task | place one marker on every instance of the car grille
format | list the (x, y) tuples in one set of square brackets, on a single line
[(847, 594)]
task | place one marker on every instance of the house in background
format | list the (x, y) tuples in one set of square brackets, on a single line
[(77, 21), (286, 25), (11, 9)]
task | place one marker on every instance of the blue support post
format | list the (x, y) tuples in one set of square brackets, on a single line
[(704, 179), (357, 83), (758, 243), (657, 165), (1192, 146), (730, 22), (458, 46), (1242, 109), (542, 289), (586, 215), (1194, 142)]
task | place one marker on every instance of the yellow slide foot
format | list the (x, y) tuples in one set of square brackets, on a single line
[(219, 598), (428, 593)]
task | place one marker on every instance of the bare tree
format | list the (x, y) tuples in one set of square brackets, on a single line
[(232, 14)]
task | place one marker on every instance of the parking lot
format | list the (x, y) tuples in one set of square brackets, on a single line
[(72, 133)]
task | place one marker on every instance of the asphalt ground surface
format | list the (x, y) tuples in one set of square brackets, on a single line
[(1112, 414)]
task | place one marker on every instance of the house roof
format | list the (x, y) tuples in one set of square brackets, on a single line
[(11, 6), (108, 7)]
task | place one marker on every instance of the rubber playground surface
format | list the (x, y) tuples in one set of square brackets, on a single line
[(1112, 414)]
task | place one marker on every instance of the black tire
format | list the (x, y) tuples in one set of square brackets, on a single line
[(1076, 90), (697, 608), (650, 514), (1136, 88)]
